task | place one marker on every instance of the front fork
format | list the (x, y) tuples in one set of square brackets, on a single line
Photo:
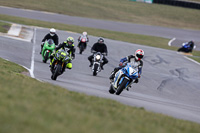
[(118, 78)]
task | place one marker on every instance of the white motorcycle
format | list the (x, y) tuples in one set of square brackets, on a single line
[(124, 78), (97, 62)]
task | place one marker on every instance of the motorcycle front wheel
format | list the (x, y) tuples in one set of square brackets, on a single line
[(46, 57), (95, 69), (122, 86), (56, 72)]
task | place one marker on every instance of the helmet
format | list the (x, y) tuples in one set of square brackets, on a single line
[(52, 31), (139, 53), (70, 41), (191, 42), (100, 40), (50, 42), (84, 33)]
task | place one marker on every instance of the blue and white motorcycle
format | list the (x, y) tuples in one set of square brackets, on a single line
[(124, 78)]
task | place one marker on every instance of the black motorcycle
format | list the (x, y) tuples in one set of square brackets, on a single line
[(61, 59)]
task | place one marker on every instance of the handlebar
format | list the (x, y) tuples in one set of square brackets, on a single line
[(104, 54)]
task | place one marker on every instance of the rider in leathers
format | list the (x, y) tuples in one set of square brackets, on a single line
[(99, 46), (51, 35), (69, 43), (136, 59), (84, 35)]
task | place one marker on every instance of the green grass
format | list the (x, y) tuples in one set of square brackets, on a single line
[(4, 27), (195, 58), (30, 106), (117, 10)]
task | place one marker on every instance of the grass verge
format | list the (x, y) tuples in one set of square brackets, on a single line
[(4, 27), (28, 105), (117, 10), (195, 58)]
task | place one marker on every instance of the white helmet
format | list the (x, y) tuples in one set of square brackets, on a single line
[(85, 33), (52, 31), (139, 53)]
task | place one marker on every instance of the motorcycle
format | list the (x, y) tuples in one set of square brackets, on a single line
[(186, 47), (48, 48), (97, 62), (61, 59), (124, 78), (82, 44)]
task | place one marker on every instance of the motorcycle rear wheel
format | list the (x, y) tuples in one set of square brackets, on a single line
[(111, 90)]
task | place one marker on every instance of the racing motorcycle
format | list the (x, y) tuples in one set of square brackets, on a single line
[(97, 62), (61, 59), (123, 79), (48, 48), (82, 44)]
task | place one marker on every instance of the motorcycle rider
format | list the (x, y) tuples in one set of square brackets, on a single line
[(136, 59), (84, 35), (187, 47), (101, 47), (69, 43), (51, 35)]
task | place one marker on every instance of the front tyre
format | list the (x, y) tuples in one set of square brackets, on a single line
[(122, 86), (46, 57), (56, 72), (95, 69), (81, 49)]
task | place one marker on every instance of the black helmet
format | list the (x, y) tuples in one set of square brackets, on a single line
[(101, 40)]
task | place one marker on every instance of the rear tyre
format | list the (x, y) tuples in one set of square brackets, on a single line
[(111, 90), (122, 86), (95, 69)]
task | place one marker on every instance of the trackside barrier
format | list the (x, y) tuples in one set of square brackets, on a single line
[(181, 3)]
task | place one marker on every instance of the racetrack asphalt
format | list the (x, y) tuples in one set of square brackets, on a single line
[(169, 82)]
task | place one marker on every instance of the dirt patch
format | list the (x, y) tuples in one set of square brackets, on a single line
[(6, 27), (26, 73)]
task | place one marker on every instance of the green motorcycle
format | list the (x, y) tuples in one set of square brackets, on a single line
[(59, 62), (48, 48)]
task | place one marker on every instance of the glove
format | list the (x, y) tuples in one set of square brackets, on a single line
[(120, 64)]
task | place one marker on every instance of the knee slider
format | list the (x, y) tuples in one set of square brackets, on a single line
[(69, 66)]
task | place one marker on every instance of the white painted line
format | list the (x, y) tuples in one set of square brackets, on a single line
[(33, 55), (170, 42), (16, 38), (192, 60)]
